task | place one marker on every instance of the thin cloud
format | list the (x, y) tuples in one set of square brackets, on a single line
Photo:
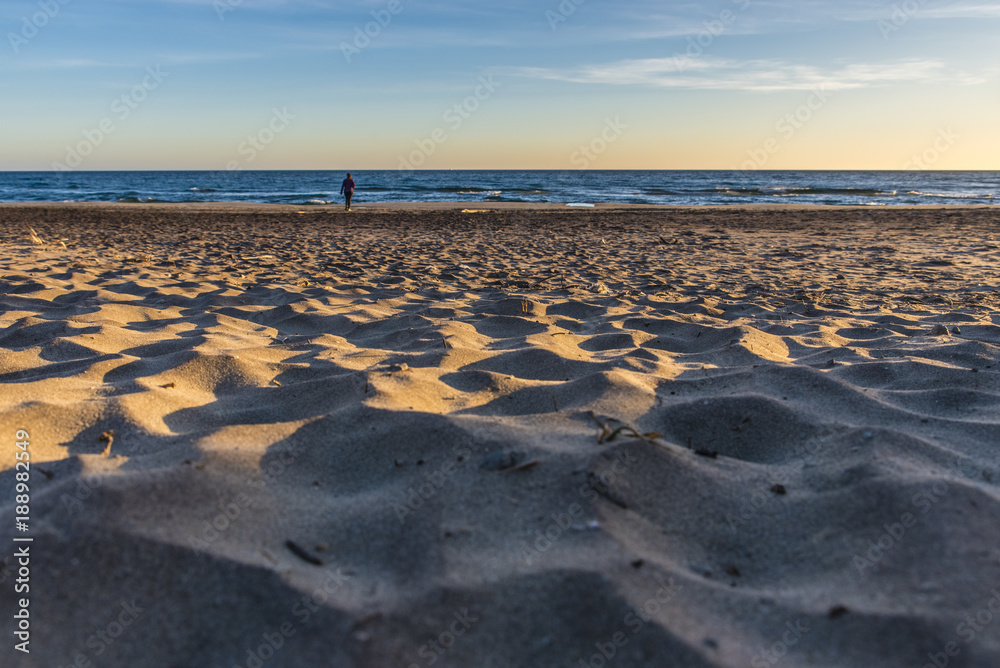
[(963, 11), (749, 75), (822, 12)]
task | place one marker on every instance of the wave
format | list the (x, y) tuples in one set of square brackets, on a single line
[(661, 192), (949, 195), (789, 191), (466, 190)]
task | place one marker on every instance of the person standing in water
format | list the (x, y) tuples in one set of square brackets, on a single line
[(347, 190)]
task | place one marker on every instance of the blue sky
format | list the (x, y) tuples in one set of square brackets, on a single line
[(269, 84)]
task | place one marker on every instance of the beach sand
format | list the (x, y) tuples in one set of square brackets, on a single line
[(516, 436)]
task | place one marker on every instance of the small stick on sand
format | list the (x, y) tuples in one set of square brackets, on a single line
[(299, 552), (109, 438)]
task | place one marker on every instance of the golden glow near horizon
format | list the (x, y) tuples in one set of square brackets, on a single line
[(572, 85)]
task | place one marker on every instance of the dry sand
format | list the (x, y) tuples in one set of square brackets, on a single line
[(526, 436)]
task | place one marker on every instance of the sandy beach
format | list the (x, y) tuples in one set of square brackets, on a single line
[(503, 435)]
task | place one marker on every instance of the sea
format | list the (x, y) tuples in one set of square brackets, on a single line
[(687, 188)]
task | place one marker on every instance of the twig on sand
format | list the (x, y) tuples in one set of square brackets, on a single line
[(610, 432), (300, 552), (109, 438), (35, 239), (523, 467)]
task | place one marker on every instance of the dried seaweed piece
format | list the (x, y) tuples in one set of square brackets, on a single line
[(524, 467), (300, 552)]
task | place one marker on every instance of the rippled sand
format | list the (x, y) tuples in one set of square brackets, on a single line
[(521, 436)]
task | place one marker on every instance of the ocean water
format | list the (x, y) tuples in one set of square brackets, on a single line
[(875, 188)]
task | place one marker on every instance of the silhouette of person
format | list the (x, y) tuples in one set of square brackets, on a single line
[(347, 190)]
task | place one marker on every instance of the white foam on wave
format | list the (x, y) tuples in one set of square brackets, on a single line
[(949, 196)]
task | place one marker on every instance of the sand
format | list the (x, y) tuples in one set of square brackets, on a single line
[(520, 436)]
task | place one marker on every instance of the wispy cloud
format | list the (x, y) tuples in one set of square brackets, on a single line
[(963, 11), (823, 12), (750, 75), (638, 20)]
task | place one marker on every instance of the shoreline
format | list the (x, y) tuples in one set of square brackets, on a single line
[(358, 207)]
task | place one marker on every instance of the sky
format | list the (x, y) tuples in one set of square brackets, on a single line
[(549, 84)]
